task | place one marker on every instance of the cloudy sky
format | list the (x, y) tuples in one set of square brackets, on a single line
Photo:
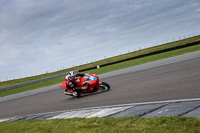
[(46, 35)]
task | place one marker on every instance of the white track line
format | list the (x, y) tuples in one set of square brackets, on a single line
[(131, 104), (102, 111), (2, 120), (134, 104)]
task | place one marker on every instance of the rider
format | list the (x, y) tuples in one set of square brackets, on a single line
[(70, 78)]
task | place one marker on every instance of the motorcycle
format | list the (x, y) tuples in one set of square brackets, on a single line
[(95, 85)]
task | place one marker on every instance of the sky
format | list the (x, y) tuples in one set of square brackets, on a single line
[(39, 36)]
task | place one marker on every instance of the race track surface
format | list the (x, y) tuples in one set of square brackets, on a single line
[(180, 80)]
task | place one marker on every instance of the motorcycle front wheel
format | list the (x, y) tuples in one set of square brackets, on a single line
[(104, 86)]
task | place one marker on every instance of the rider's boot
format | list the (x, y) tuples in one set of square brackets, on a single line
[(67, 92)]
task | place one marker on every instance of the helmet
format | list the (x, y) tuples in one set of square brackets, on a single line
[(70, 75)]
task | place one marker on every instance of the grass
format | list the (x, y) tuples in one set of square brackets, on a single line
[(105, 125), (32, 87), (112, 59), (145, 59), (106, 69)]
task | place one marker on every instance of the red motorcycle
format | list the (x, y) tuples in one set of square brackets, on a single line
[(95, 85)]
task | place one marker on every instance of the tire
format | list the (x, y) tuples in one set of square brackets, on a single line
[(105, 86)]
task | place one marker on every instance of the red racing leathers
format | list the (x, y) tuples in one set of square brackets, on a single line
[(70, 83)]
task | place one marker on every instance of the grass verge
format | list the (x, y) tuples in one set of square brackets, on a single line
[(105, 125), (107, 69), (108, 60)]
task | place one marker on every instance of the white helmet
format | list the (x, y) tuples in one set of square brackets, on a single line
[(71, 73)]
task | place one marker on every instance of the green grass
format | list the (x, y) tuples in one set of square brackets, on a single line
[(106, 69), (146, 59), (32, 86), (112, 59), (105, 125)]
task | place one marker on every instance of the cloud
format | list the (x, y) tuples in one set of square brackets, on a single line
[(39, 36)]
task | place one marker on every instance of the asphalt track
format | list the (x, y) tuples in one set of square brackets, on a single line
[(179, 80)]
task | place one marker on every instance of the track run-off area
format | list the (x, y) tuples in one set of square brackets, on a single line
[(169, 79)]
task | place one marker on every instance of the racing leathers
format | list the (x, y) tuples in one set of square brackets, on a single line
[(71, 82)]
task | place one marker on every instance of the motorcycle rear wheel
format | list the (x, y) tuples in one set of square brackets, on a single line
[(104, 86)]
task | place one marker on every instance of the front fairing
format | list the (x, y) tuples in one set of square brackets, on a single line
[(63, 85)]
